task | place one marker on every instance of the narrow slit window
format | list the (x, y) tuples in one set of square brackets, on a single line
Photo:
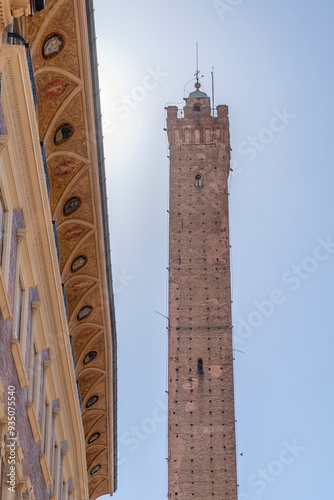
[(198, 180), (200, 365)]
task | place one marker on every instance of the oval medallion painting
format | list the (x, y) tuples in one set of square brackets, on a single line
[(52, 45), (71, 205), (94, 437), (84, 312), (92, 401), (95, 469), (78, 263), (63, 133), (89, 357)]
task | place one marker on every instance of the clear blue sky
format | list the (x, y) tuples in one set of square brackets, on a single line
[(274, 68)]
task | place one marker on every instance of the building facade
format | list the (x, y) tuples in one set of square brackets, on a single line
[(58, 379), (201, 422)]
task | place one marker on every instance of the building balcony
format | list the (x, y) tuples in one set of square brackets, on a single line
[(14, 9)]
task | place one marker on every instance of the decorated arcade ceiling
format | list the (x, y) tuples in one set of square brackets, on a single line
[(60, 53)]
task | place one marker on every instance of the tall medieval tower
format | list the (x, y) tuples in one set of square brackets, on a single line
[(201, 422)]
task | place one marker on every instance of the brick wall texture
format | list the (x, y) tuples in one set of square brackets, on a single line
[(201, 422)]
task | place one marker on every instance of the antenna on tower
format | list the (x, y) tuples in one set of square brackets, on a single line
[(213, 90)]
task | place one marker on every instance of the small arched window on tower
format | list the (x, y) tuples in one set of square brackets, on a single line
[(200, 365), (197, 112), (198, 180)]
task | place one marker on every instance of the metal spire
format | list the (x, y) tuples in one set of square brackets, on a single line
[(197, 84)]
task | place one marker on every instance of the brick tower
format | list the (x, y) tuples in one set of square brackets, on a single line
[(201, 422)]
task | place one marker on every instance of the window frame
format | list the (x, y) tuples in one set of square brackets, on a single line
[(5, 252), (20, 316), (23, 275), (35, 358), (197, 111), (11, 203)]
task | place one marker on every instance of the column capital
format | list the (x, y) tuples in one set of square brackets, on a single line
[(35, 305), (21, 234), (46, 364)]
